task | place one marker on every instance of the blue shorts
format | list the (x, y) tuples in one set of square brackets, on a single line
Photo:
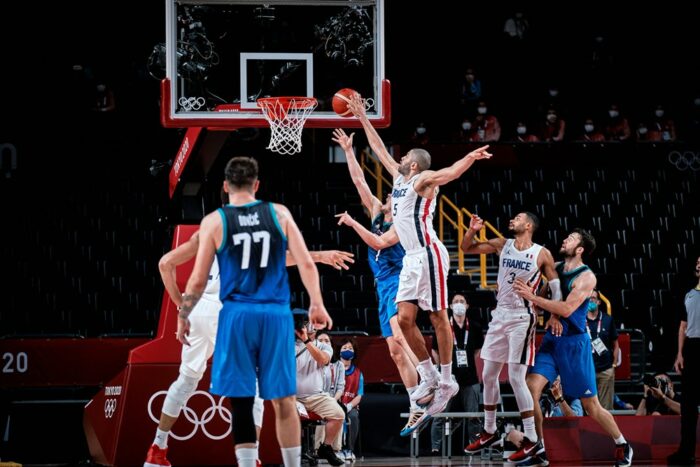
[(387, 288), (255, 341), (569, 357)]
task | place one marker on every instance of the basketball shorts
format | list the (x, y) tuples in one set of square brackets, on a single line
[(510, 337), (423, 277), (387, 288), (254, 341), (202, 338), (569, 357)]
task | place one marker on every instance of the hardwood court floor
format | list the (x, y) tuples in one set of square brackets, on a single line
[(457, 461)]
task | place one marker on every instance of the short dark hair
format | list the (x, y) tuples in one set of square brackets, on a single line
[(241, 171), (347, 339), (534, 220), (587, 241)]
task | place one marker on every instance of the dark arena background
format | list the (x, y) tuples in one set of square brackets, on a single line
[(89, 203)]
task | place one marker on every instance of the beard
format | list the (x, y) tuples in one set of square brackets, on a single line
[(404, 169)]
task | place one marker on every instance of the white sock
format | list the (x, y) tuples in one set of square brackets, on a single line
[(161, 438), (620, 440), (446, 372), (429, 370), (490, 421), (529, 428), (291, 456), (246, 457), (410, 391)]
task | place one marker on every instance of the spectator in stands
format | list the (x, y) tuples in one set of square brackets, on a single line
[(354, 390), (420, 136), (522, 135), (641, 134), (515, 27), (486, 126), (687, 364), (467, 339), (311, 358), (470, 92), (659, 397), (591, 133), (554, 127), (617, 128), (661, 127), (464, 132), (606, 349), (333, 385)]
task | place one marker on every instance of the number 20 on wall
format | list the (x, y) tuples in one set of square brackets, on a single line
[(14, 363)]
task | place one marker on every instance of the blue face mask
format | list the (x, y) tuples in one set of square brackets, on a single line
[(592, 307), (347, 354)]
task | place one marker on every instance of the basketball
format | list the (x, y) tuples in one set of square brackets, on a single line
[(340, 102)]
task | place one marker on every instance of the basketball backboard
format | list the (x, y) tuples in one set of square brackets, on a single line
[(220, 56)]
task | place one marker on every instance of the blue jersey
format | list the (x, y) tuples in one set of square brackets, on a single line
[(576, 322), (252, 255), (388, 261)]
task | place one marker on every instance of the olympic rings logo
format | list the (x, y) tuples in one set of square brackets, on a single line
[(110, 407), (195, 419), (685, 160), (191, 103)]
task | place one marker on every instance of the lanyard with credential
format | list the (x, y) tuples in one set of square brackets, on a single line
[(466, 333), (600, 323)]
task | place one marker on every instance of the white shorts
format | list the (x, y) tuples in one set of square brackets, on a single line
[(424, 277), (204, 321), (511, 337)]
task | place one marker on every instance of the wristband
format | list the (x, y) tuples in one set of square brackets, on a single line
[(307, 341), (559, 401)]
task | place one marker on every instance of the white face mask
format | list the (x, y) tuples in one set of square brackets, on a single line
[(613, 113), (697, 102), (642, 130), (459, 309), (553, 92), (482, 110), (466, 126), (521, 130), (588, 127), (551, 118), (420, 130), (659, 113)]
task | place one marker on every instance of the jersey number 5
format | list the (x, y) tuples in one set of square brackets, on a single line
[(257, 237)]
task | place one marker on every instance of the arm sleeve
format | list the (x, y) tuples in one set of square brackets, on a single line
[(361, 385), (577, 407)]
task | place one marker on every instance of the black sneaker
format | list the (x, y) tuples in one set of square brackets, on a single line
[(325, 451), (623, 455)]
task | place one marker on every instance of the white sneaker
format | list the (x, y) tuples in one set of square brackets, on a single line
[(444, 393), (413, 418), (425, 391)]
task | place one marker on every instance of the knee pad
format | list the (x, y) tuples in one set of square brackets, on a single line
[(258, 411), (492, 390), (242, 420), (178, 393)]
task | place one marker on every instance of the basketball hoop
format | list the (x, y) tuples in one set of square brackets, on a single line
[(286, 116)]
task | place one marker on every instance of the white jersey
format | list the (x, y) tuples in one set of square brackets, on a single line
[(210, 303), (515, 264), (413, 215)]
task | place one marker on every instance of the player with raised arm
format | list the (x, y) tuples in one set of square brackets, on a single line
[(423, 278), (255, 338), (511, 334)]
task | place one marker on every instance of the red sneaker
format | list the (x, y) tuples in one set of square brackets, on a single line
[(156, 457), (527, 450), (483, 441)]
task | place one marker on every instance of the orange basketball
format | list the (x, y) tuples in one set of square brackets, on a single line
[(340, 102)]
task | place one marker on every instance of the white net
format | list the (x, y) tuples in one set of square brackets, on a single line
[(286, 116)]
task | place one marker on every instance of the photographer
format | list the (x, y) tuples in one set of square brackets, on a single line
[(659, 397)]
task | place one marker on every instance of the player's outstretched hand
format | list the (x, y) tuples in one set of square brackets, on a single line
[(480, 153), (343, 139), (357, 105), (338, 259), (476, 223), (345, 218), (318, 316)]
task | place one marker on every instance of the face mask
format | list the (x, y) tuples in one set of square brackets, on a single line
[(551, 118), (470, 77), (521, 130), (697, 102), (659, 113), (347, 354), (588, 127), (466, 126), (592, 307), (459, 309), (420, 130), (553, 93), (613, 113), (482, 110), (642, 130)]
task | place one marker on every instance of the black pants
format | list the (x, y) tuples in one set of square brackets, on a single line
[(690, 395)]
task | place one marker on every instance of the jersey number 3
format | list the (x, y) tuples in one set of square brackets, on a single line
[(245, 238)]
